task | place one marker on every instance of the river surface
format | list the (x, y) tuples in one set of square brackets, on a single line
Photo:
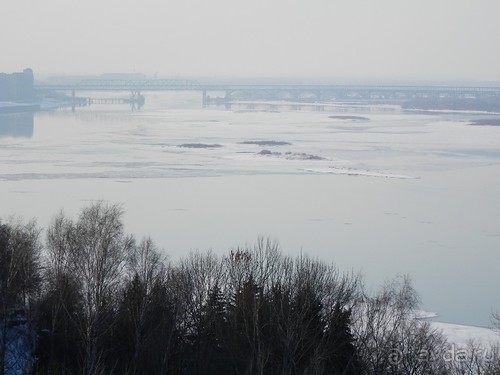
[(389, 193)]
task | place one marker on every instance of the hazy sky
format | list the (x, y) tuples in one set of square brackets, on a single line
[(402, 39)]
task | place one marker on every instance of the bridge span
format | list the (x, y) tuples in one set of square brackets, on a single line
[(287, 92)]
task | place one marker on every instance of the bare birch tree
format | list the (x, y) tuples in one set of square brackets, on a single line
[(91, 253), (390, 339)]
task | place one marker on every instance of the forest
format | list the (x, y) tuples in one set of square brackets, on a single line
[(84, 297)]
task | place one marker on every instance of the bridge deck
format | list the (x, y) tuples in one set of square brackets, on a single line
[(192, 85), (288, 92)]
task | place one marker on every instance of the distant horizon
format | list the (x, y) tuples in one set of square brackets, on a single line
[(269, 79), (384, 80)]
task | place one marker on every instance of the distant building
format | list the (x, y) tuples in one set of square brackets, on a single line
[(17, 87)]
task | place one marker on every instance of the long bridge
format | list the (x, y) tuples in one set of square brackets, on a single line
[(288, 92)]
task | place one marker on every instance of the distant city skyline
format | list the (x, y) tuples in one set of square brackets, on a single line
[(343, 39)]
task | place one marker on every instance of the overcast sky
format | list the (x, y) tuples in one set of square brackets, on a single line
[(388, 39)]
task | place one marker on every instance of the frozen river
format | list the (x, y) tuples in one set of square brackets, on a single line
[(390, 192)]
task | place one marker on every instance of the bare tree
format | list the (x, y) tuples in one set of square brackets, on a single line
[(496, 320), (60, 299), (202, 272), (312, 311), (252, 271), (389, 337), (492, 360), (99, 249), (147, 274), (287, 315), (474, 359), (91, 253)]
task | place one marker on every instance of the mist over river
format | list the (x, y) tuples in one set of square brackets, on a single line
[(373, 189)]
